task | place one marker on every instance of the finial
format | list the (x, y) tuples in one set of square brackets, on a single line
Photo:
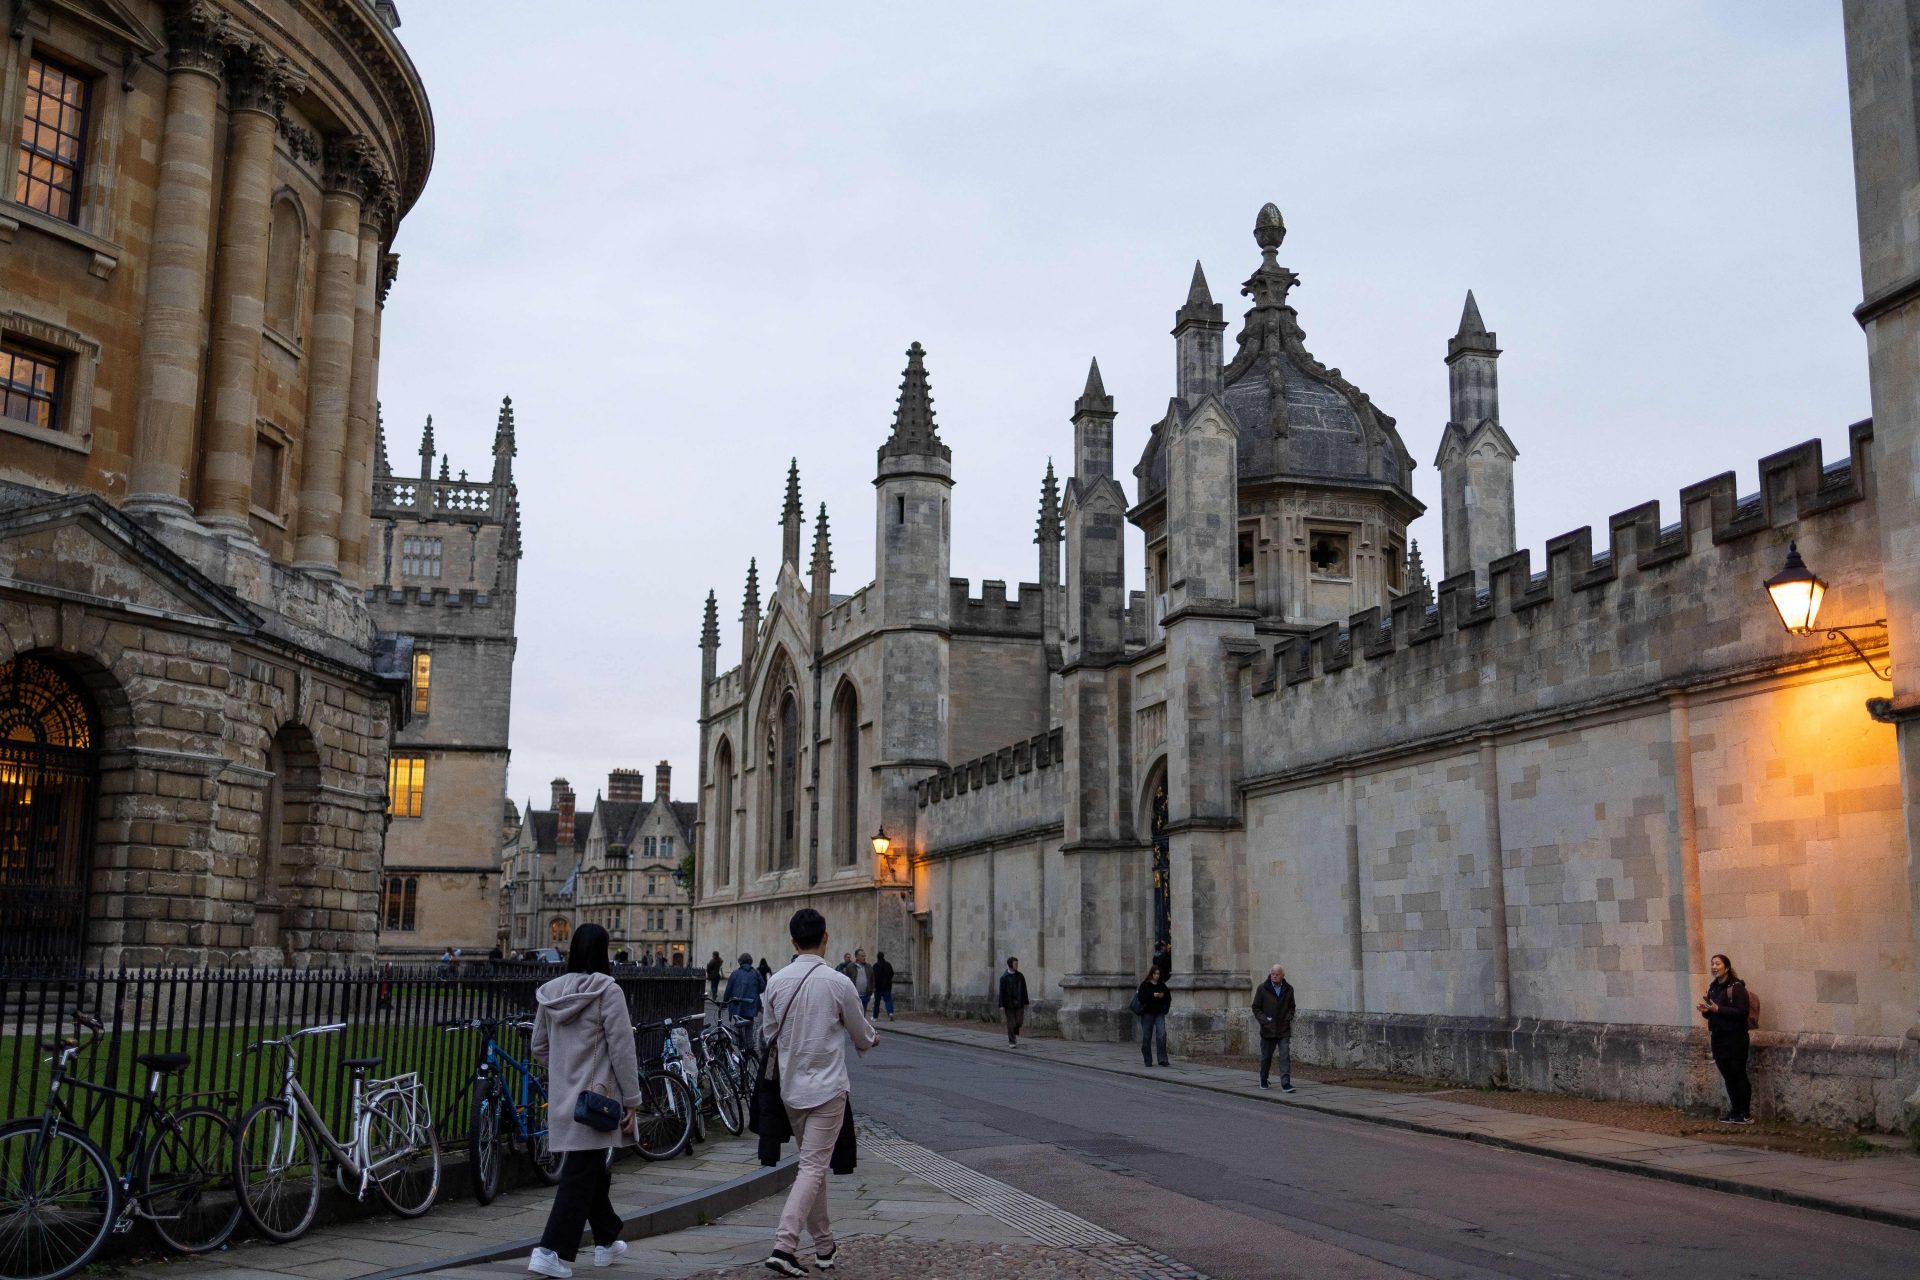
[(710, 624), (1472, 334), (753, 589), (1269, 228), (913, 426), (426, 449), (1470, 318), (1048, 529), (1417, 572), (822, 563), (1094, 399), (1198, 295), (792, 511), (444, 461)]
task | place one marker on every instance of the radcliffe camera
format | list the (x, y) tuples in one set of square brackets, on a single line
[(1231, 642)]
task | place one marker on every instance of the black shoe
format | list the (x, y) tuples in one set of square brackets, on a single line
[(1286, 1088), (1741, 1120), (824, 1261), (1264, 1085), (782, 1263)]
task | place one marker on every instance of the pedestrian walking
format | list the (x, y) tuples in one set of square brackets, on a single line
[(862, 976), (582, 1032), (1013, 999), (1151, 1003), (882, 984), (715, 971), (1726, 1009), (845, 966), (1163, 959), (766, 973), (743, 990), (1273, 1010), (812, 1011)]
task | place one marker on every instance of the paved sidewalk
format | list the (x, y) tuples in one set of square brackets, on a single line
[(366, 1246), (905, 1211), (1884, 1188)]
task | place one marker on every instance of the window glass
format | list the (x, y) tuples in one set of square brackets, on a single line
[(406, 785), (422, 681), (402, 897), (29, 385), (420, 557), (53, 126)]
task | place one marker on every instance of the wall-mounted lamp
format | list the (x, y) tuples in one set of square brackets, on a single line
[(883, 854), (1797, 593)]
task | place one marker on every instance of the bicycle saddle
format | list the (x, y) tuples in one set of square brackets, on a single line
[(361, 1064), (165, 1063)]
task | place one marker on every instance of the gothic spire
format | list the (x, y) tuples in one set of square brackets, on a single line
[(1417, 581), (1472, 335), (914, 431), (505, 448), (1094, 398), (792, 510), (822, 564), (382, 469), (1200, 308), (1048, 530), (446, 466), (427, 450), (1198, 295), (792, 518), (710, 624), (752, 606)]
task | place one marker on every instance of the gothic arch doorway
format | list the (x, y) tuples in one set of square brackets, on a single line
[(1162, 860), (49, 765)]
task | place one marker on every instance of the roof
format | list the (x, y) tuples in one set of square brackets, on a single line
[(619, 817), (686, 813)]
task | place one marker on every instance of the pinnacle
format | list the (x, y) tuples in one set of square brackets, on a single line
[(1094, 399), (1048, 529), (710, 624), (1094, 386), (753, 587), (822, 544), (1470, 323), (914, 431), (793, 509), (1198, 295)]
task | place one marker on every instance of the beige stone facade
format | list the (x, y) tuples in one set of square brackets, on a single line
[(193, 263)]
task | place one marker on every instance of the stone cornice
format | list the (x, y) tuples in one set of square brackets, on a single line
[(199, 37)]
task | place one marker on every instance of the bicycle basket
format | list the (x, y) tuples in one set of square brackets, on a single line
[(683, 1043)]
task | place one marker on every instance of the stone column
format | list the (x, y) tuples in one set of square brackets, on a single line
[(356, 483), (257, 83), (174, 320), (330, 356)]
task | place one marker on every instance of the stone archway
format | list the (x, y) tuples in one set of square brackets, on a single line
[(49, 772)]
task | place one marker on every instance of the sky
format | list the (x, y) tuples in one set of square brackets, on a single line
[(693, 241)]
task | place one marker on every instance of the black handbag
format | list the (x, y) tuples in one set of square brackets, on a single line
[(598, 1111)]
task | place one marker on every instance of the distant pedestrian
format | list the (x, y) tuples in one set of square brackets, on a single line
[(620, 956), (1151, 1003), (1726, 1008), (582, 1032), (1273, 1010), (1163, 959), (845, 967), (715, 970), (811, 1015), (862, 976), (882, 984), (446, 964), (743, 990), (766, 973), (1013, 999)]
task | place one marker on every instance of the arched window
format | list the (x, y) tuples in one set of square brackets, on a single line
[(786, 773), (286, 241), (49, 742), (846, 803), (723, 813)]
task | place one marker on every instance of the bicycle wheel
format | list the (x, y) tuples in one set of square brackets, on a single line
[(664, 1127), (58, 1201), (723, 1083), (546, 1161), (277, 1171), (402, 1144), (186, 1182), (485, 1155)]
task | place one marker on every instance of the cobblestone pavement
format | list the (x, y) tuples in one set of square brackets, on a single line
[(368, 1245), (905, 1212), (1883, 1187)]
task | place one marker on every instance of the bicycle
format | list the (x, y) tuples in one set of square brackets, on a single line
[(59, 1196), (721, 1062), (500, 1110), (392, 1145), (668, 1108)]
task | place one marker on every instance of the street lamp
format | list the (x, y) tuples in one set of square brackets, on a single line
[(1797, 593), (883, 854)]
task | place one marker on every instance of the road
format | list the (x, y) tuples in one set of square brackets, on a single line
[(1246, 1190)]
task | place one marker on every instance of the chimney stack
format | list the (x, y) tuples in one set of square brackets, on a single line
[(663, 782), (563, 806), (626, 784)]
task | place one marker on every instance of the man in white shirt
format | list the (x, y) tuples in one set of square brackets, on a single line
[(810, 1012)]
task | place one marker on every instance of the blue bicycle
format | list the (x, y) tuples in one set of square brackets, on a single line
[(509, 1104)]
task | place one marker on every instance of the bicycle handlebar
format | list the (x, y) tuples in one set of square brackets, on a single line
[(291, 1036)]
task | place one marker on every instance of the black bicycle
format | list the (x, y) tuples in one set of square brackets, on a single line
[(59, 1195), (509, 1103)]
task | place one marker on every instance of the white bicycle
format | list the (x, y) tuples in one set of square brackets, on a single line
[(391, 1146)]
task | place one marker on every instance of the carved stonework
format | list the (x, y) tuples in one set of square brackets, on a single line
[(389, 272), (199, 37), (259, 79), (303, 143), (353, 167)]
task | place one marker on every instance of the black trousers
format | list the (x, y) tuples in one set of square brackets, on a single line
[(1730, 1055), (583, 1197)]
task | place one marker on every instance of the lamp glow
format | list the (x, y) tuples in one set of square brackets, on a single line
[(881, 844), (1797, 592)]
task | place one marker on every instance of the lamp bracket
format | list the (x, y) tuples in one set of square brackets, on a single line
[(1841, 633)]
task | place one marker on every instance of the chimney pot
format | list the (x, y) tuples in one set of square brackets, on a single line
[(626, 784), (663, 782)]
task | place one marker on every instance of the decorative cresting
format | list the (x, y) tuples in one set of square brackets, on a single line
[(49, 740)]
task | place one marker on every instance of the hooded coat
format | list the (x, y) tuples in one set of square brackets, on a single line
[(582, 1032)]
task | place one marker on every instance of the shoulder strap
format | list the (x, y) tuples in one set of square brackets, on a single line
[(773, 1036)]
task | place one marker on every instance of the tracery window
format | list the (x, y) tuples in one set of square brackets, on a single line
[(402, 899), (787, 778), (53, 130), (47, 771), (723, 812), (846, 732), (420, 557)]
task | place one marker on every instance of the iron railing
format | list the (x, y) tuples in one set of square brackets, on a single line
[(211, 1014)]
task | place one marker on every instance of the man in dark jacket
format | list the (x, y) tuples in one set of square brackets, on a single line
[(1163, 959), (743, 990), (1273, 1010), (1013, 998), (883, 984)]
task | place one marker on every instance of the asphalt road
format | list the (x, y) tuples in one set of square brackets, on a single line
[(1246, 1190)]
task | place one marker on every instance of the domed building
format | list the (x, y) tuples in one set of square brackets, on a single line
[(195, 704)]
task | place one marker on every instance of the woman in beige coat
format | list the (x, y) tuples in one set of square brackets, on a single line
[(583, 1034)]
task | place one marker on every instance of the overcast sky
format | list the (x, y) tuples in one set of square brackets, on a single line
[(692, 240)]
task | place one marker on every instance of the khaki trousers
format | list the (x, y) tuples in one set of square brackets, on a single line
[(816, 1129)]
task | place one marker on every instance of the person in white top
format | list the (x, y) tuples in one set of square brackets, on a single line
[(811, 1012)]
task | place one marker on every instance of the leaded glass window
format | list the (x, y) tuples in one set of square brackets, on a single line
[(29, 385), (53, 130)]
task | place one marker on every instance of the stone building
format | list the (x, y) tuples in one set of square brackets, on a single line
[(616, 865), (194, 260), (442, 566), (1494, 831)]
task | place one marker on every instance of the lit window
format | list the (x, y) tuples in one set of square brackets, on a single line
[(422, 680), (53, 126), (29, 385), (406, 785), (402, 896), (420, 557)]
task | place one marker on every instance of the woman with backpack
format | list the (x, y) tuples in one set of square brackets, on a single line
[(1151, 1003), (1726, 1009)]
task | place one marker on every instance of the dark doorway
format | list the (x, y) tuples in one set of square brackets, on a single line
[(49, 762)]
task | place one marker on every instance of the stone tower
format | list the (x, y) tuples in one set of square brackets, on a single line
[(1476, 456)]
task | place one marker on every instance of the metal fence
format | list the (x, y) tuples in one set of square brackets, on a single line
[(391, 1013)]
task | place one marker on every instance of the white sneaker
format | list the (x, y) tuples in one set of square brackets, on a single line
[(545, 1262), (605, 1255)]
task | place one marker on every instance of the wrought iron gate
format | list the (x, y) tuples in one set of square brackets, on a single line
[(47, 773)]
